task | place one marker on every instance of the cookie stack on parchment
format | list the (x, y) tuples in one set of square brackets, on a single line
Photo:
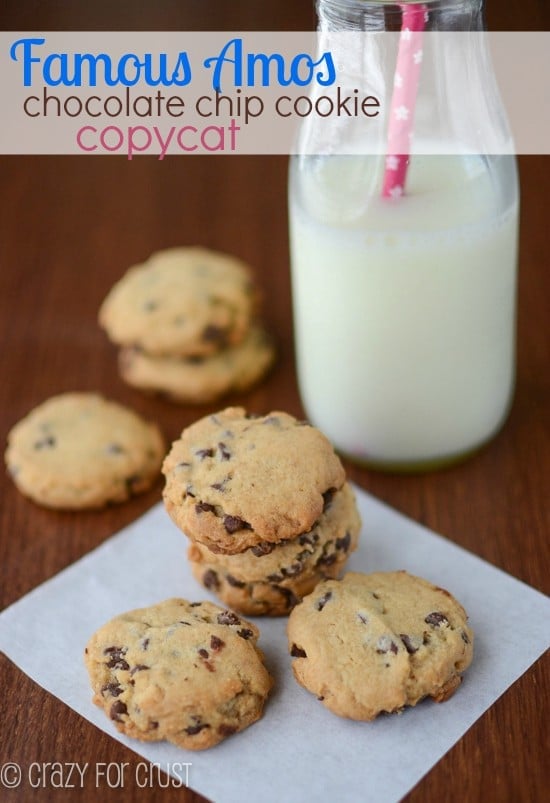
[(186, 321), (265, 503)]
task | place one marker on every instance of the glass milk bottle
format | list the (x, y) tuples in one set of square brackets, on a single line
[(404, 305)]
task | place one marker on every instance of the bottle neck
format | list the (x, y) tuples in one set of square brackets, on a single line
[(386, 15)]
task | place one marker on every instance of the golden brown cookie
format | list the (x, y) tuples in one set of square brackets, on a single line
[(234, 481), (78, 450), (379, 642), (189, 673), (270, 579), (181, 302), (203, 379)]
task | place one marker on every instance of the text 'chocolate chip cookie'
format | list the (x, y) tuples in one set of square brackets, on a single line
[(78, 450), (376, 643), (235, 481), (186, 672)]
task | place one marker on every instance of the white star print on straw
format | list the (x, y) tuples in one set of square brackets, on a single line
[(405, 86), (396, 192)]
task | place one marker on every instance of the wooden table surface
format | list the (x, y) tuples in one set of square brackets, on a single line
[(69, 226)]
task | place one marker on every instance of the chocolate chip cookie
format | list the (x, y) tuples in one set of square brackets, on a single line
[(185, 302), (197, 380), (78, 450), (189, 673), (234, 481), (269, 579), (379, 642)]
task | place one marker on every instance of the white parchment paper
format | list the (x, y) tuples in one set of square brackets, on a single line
[(298, 751)]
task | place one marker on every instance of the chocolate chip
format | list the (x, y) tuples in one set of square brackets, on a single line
[(203, 453), (153, 725), (245, 633), (183, 464), (117, 709), (290, 596), (320, 604), (189, 490), (327, 498), (214, 334), (234, 523), (144, 643), (375, 595), (275, 578), (225, 454), (192, 730), (264, 548), (464, 637), (362, 618), (219, 486), (210, 579), (204, 507), (195, 604), (115, 448), (297, 652), (227, 730), (436, 618), (308, 538), (204, 653), (343, 543), (234, 582), (409, 646), (112, 688), (45, 443), (326, 559), (181, 622), (292, 571), (228, 618), (133, 482), (216, 643), (138, 668), (385, 645), (116, 660)]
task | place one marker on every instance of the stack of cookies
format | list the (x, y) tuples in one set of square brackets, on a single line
[(265, 503), (186, 323)]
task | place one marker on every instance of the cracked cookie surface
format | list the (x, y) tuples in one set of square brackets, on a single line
[(189, 673), (269, 579), (200, 380), (181, 302), (78, 450), (234, 481), (377, 643)]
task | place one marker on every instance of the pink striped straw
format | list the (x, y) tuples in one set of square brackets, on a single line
[(405, 88)]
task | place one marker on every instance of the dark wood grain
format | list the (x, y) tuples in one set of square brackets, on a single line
[(69, 227)]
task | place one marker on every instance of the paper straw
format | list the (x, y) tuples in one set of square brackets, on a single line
[(405, 88)]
